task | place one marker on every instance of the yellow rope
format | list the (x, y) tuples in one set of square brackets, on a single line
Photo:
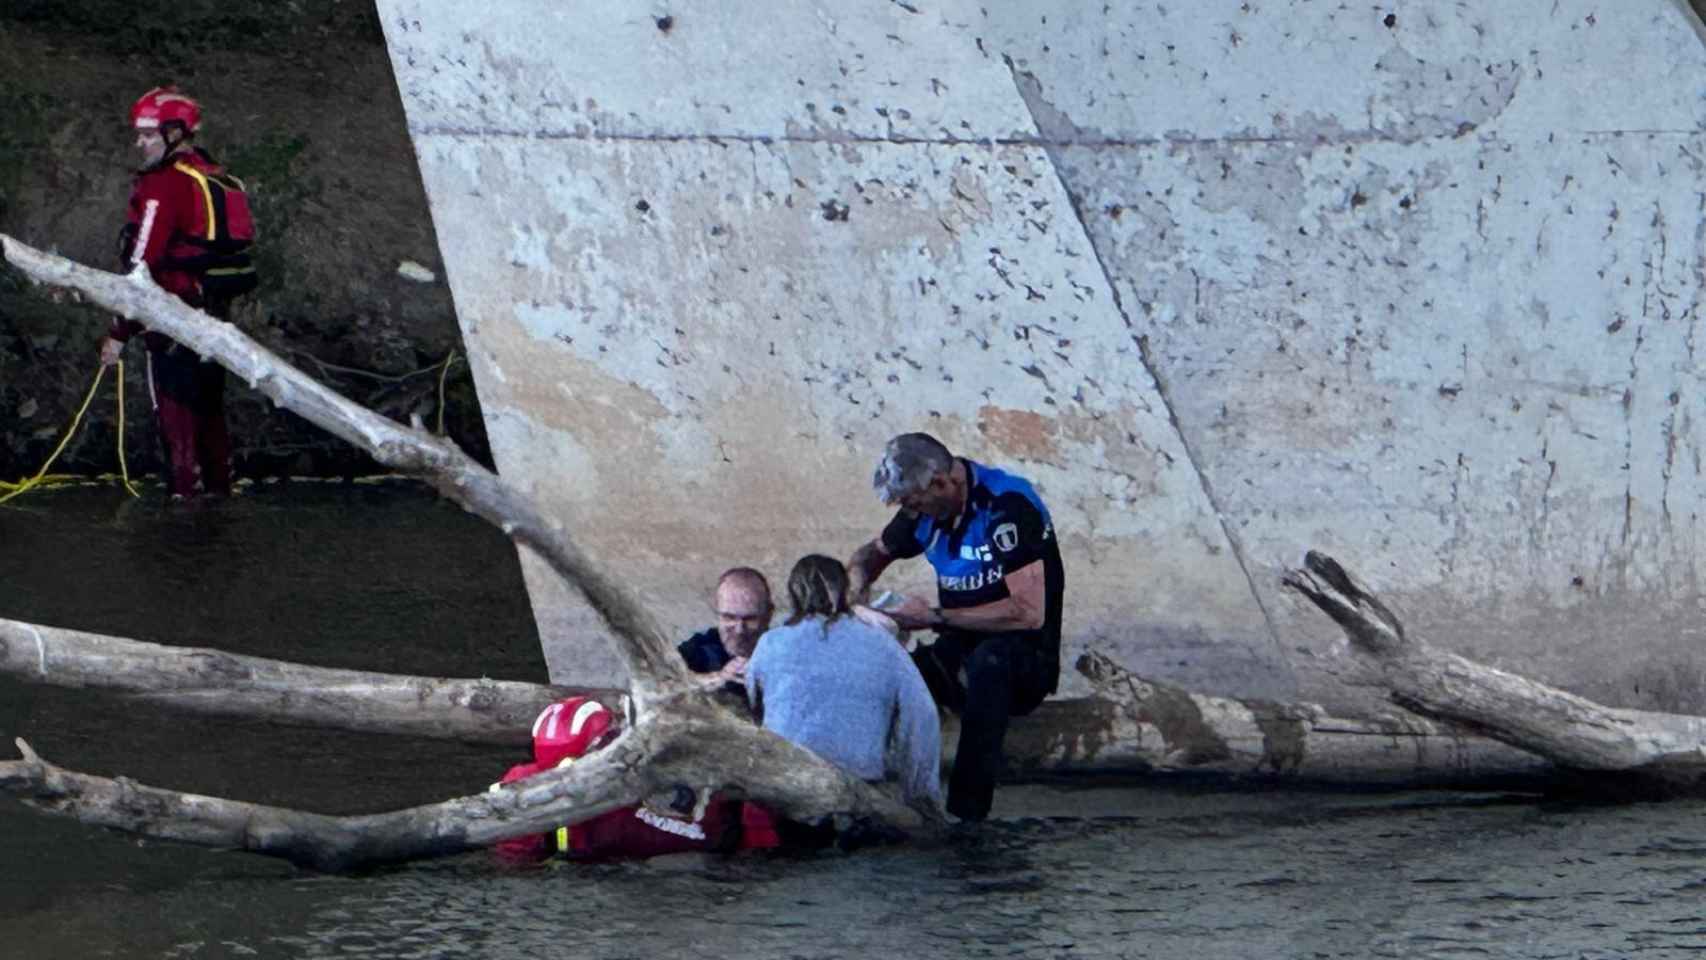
[(43, 478), (23, 485), (123, 470)]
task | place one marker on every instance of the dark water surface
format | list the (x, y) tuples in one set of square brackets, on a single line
[(388, 577)]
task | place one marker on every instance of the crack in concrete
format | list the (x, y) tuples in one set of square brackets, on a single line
[(1629, 439), (1031, 93), (1459, 516), (1538, 535)]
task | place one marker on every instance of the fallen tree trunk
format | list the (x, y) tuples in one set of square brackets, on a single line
[(1571, 731), (307, 839), (1135, 725), (693, 746), (225, 684), (1143, 724)]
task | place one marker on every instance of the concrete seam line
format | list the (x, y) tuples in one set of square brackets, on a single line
[(1149, 365), (1350, 137)]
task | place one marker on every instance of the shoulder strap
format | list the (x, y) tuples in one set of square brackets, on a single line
[(206, 196)]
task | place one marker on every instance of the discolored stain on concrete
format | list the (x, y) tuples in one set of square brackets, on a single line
[(1019, 433)]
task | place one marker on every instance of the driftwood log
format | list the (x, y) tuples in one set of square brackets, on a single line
[(1134, 725), (1157, 727), (679, 735), (223, 684), (1573, 732), (687, 744)]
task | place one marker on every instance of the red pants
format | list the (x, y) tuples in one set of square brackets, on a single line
[(189, 398)]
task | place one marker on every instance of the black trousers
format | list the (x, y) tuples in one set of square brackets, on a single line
[(987, 679)]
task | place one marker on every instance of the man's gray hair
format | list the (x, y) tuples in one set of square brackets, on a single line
[(909, 462)]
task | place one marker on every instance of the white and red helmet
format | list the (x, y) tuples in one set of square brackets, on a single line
[(165, 105), (570, 729)]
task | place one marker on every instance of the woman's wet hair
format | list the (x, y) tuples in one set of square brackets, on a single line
[(817, 586)]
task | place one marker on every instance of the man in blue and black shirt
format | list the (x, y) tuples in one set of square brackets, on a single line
[(1000, 585)]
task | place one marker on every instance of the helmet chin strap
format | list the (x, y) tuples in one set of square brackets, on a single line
[(171, 144)]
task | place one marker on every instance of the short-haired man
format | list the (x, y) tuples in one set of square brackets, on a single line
[(743, 608), (1000, 585)]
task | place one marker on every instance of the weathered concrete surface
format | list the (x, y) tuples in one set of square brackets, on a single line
[(1415, 285)]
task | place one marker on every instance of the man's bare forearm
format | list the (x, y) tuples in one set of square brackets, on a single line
[(992, 617), (1021, 609)]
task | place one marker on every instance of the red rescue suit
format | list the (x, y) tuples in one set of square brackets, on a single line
[(572, 728), (176, 211)]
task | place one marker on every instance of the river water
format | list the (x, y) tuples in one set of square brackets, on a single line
[(388, 577)]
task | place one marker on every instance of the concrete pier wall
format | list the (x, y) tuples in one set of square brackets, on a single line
[(1417, 284)]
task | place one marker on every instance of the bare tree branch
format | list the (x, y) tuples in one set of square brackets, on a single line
[(604, 782)]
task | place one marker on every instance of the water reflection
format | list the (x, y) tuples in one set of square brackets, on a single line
[(1394, 877)]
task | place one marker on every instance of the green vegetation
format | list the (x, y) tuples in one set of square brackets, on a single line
[(272, 168), (178, 33), (23, 139)]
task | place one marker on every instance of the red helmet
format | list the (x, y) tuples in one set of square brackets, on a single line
[(570, 729), (163, 105)]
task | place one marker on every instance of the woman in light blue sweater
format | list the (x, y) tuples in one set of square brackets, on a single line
[(842, 688)]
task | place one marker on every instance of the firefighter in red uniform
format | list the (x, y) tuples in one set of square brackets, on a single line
[(189, 221), (570, 729)]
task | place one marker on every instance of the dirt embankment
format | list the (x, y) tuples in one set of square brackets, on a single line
[(301, 103)]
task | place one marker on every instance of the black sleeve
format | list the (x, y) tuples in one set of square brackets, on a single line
[(703, 652), (126, 240), (690, 654), (1019, 532), (900, 537)]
